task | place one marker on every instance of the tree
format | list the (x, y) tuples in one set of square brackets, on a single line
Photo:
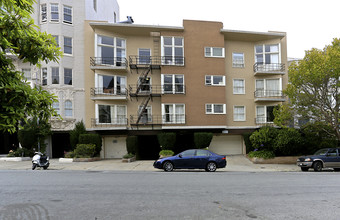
[(21, 38), (76, 132), (314, 86)]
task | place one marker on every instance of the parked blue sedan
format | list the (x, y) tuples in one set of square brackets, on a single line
[(192, 159)]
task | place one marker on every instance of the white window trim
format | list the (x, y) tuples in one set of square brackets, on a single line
[(212, 109), (173, 84), (50, 11), (245, 111), (68, 54), (65, 22), (212, 80), (41, 19), (115, 116), (173, 62), (115, 82), (236, 65), (174, 113), (69, 116), (211, 52), (244, 87), (265, 114), (264, 53)]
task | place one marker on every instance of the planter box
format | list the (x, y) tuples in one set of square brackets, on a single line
[(275, 160), (129, 160), (92, 159)]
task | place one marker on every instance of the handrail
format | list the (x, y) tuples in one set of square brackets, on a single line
[(108, 61), (271, 67)]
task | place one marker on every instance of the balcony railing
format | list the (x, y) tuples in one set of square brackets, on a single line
[(104, 91), (268, 93), (135, 61), (110, 62), (108, 122), (276, 68), (147, 89), (264, 120), (147, 119)]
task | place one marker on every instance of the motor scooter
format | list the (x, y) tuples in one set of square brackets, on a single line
[(40, 160)]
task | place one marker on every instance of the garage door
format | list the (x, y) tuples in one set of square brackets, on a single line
[(114, 147), (229, 144)]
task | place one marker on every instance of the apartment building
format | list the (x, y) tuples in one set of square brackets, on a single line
[(65, 20), (142, 80)]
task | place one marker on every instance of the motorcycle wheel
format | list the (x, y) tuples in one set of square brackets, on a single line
[(45, 167), (34, 166)]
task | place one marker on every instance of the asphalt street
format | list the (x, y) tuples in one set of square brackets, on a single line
[(89, 194)]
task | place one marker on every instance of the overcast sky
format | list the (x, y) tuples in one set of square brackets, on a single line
[(308, 23)]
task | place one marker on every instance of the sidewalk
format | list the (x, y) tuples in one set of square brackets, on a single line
[(237, 163)]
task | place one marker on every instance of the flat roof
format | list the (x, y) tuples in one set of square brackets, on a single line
[(237, 35)]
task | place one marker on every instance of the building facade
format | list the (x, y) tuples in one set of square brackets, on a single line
[(65, 20), (141, 80)]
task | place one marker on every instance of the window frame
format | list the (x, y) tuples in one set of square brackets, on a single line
[(25, 72), (66, 14), (55, 76), (244, 113), (173, 59), (68, 109), (100, 88), (265, 117), (244, 87), (210, 53), (173, 117), (65, 77), (56, 107), (264, 53), (212, 80), (173, 84), (43, 13), (212, 107), (235, 64), (68, 46), (54, 12), (44, 76), (117, 120)]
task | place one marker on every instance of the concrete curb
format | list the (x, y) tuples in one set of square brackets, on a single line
[(15, 159)]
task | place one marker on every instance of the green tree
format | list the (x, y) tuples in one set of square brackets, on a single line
[(21, 38), (314, 86), (76, 132)]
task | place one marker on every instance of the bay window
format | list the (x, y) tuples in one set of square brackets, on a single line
[(67, 14), (54, 12)]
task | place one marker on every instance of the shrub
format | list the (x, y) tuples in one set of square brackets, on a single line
[(288, 142), (132, 144), (167, 140), (85, 150), (166, 153), (128, 155), (264, 139), (202, 139), (69, 154), (247, 142), (92, 139), (76, 132), (21, 152), (265, 154)]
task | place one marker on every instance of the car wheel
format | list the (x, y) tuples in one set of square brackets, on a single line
[(168, 166), (34, 166), (211, 167), (317, 166), (304, 169)]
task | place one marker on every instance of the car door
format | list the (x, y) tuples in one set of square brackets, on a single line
[(337, 162), (331, 157), (185, 159), (201, 158)]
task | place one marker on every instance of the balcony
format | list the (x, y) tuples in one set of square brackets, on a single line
[(111, 63), (155, 62), (268, 121), (269, 96), (155, 90), (147, 119), (272, 68), (100, 93), (109, 123)]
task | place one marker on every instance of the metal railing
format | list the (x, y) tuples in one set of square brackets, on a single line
[(109, 122), (147, 119), (272, 67), (156, 60), (268, 93), (144, 89), (264, 120), (108, 61), (104, 91)]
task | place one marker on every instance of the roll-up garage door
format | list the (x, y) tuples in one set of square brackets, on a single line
[(228, 144)]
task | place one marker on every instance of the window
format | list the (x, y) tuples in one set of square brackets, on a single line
[(43, 11), (188, 153), (146, 114), (203, 153), (173, 83), (55, 75), (173, 113), (144, 56), (120, 50), (67, 76), (54, 12), (268, 87), (44, 76), (239, 113), (68, 108), (107, 47), (111, 114), (67, 14), (144, 84), (173, 50), (267, 54), (264, 114), (27, 73), (238, 60), (56, 107), (56, 38), (68, 45), (238, 86), (215, 80), (114, 85), (214, 52), (215, 108)]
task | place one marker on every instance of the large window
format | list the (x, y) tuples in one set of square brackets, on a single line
[(238, 60), (268, 87), (67, 14), (214, 52), (173, 50), (215, 80), (67, 76), (267, 54), (264, 114), (54, 12), (114, 85), (68, 45), (215, 108), (239, 113), (238, 86), (111, 50), (173, 113), (55, 75), (111, 114), (43, 11), (68, 108), (173, 83)]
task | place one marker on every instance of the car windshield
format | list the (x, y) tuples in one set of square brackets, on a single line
[(321, 152)]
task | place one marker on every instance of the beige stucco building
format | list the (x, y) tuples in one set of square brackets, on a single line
[(141, 80)]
